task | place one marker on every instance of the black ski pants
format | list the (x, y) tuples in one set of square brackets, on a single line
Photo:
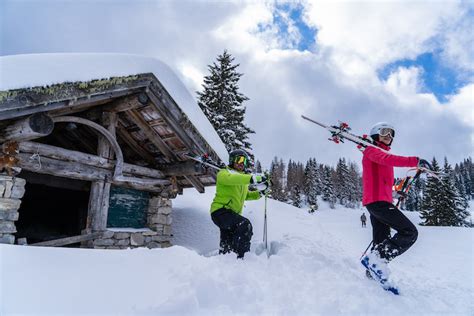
[(236, 231), (383, 216)]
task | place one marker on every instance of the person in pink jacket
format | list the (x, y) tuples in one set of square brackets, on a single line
[(378, 179)]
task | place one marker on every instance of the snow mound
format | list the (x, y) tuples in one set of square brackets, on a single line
[(314, 270)]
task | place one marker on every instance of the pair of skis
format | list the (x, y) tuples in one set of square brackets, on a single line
[(341, 132)]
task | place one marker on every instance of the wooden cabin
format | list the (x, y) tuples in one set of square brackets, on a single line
[(96, 163)]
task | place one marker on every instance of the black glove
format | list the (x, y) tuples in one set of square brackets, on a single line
[(422, 163)]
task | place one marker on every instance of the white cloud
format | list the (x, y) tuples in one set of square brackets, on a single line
[(192, 75), (458, 39), (377, 33), (405, 81), (338, 82), (462, 105)]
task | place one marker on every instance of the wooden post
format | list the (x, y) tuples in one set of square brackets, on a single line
[(100, 190), (31, 127)]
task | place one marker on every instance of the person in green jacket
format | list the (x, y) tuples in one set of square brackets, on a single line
[(232, 190)]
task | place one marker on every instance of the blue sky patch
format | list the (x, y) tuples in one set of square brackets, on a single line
[(437, 78), (292, 31)]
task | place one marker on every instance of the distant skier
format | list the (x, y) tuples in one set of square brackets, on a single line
[(232, 189), (378, 179), (363, 219)]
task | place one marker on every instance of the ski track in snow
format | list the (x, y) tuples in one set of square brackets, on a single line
[(314, 271)]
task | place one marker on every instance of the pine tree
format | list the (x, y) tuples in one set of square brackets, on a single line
[(328, 191), (258, 167), (311, 181), (277, 171), (296, 196), (222, 103), (415, 195), (465, 173), (354, 186), (430, 209), (342, 182), (442, 202), (455, 200)]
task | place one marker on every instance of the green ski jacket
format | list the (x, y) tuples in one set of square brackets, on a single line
[(232, 189)]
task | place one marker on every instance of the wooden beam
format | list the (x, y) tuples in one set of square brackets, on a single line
[(58, 153), (118, 105), (34, 126), (68, 240), (196, 183), (100, 190), (171, 121), (80, 171), (178, 121), (151, 134), (18, 110), (187, 168), (133, 144), (55, 182)]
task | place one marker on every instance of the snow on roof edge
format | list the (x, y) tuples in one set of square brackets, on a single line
[(32, 70)]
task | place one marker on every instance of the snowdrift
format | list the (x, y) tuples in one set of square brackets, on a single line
[(314, 271)]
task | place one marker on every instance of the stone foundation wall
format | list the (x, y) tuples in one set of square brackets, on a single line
[(157, 234), (12, 190), (123, 239)]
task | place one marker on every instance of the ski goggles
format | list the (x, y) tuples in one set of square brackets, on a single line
[(386, 132), (241, 160)]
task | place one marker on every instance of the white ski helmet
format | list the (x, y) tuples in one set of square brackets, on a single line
[(382, 128)]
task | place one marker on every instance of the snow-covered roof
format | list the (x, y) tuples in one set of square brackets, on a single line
[(33, 70)]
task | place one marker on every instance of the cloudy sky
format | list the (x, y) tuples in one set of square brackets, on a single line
[(410, 63)]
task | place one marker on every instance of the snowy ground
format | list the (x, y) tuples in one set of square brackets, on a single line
[(314, 271)]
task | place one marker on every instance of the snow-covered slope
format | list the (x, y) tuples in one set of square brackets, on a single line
[(314, 271)]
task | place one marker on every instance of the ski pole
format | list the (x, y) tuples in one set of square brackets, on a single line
[(265, 225), (407, 186), (366, 249)]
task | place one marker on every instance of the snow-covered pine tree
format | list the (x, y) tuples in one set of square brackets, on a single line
[(442, 203), (342, 181), (455, 212), (258, 166), (461, 188), (470, 171), (319, 184), (328, 190), (277, 172), (222, 103), (465, 173), (311, 181), (415, 196), (296, 196), (430, 210), (354, 186)]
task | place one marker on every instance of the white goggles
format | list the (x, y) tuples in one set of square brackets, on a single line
[(386, 132)]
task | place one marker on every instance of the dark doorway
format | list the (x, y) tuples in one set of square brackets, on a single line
[(52, 208)]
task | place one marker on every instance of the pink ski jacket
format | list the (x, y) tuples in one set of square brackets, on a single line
[(377, 173)]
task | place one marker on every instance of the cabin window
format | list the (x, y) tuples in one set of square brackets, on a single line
[(127, 208)]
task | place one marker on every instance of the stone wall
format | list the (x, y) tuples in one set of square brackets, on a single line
[(12, 190), (156, 235)]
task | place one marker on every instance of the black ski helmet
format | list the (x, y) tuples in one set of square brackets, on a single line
[(237, 153)]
